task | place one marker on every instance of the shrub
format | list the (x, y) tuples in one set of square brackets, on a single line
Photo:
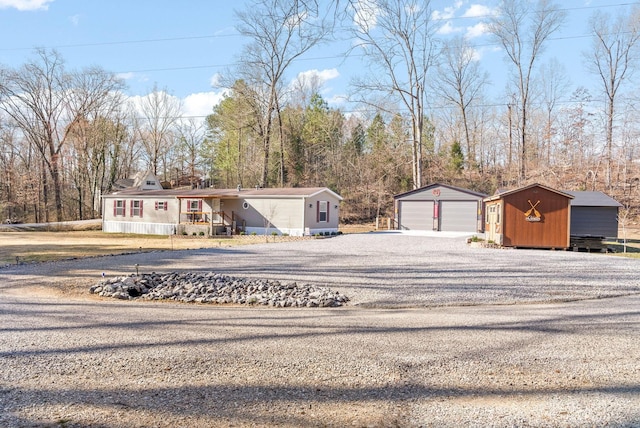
[(243, 233), (274, 233), (285, 234), (201, 233), (194, 234), (254, 233)]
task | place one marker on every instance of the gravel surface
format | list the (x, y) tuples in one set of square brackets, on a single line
[(437, 333)]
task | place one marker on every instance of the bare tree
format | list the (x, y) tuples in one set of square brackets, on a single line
[(460, 82), (554, 83), (280, 32), (160, 114), (45, 103), (522, 28), (613, 52), (192, 134), (397, 38)]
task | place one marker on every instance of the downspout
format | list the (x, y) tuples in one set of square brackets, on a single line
[(304, 215)]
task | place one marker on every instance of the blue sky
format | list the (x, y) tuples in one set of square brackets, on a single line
[(182, 46)]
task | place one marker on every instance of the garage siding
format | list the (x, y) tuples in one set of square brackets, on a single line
[(594, 221), (416, 215), (458, 216)]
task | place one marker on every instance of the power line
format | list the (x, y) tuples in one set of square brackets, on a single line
[(125, 42)]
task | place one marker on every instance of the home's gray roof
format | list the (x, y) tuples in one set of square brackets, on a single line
[(592, 199), (287, 192)]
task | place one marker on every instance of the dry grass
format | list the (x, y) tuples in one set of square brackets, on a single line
[(47, 246)]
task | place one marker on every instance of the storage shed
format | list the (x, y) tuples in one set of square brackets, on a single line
[(594, 214), (439, 207), (534, 216)]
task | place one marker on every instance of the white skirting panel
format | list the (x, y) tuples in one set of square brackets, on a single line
[(139, 228)]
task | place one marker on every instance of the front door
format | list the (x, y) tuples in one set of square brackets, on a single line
[(216, 215), (493, 223)]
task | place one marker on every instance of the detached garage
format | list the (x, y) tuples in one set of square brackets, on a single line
[(439, 207)]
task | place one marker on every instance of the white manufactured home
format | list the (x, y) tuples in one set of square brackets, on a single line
[(292, 211)]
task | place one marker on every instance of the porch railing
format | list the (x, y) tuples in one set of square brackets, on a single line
[(216, 218)]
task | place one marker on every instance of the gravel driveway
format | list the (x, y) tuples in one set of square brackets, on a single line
[(437, 333)]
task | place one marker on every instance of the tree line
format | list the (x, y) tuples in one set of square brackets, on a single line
[(422, 115)]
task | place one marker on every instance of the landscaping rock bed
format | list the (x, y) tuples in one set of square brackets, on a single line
[(216, 288)]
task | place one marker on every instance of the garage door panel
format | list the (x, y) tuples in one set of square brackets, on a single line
[(458, 216), (416, 215)]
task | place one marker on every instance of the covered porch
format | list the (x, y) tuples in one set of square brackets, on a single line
[(207, 215)]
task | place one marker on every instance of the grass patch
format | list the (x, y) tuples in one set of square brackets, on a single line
[(50, 246), (632, 247)]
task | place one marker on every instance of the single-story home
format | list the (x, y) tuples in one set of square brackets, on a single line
[(439, 207), (594, 214), (292, 211), (534, 216)]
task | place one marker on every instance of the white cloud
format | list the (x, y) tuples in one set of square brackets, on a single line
[(75, 19), (337, 100), (477, 30), (201, 104), (366, 15), (447, 13), (24, 5), (447, 28), (318, 76), (478, 11), (126, 76), (215, 80)]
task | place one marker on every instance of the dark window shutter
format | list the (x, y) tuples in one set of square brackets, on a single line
[(156, 205), (327, 211), (141, 202), (166, 203), (317, 211), (200, 205), (131, 207), (115, 208), (124, 208), (188, 205)]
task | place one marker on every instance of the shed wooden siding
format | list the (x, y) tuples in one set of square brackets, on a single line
[(553, 229)]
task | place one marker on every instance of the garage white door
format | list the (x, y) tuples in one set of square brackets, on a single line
[(416, 215), (458, 216)]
